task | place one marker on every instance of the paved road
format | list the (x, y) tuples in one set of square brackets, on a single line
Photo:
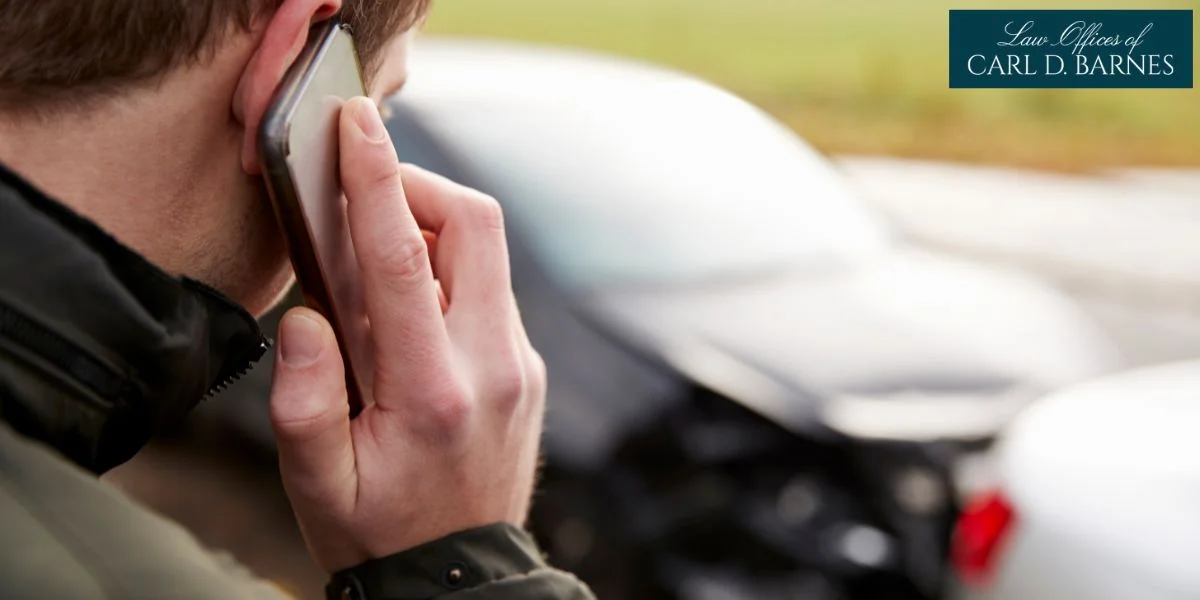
[(1126, 244)]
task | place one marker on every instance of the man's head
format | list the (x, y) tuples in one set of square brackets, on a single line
[(142, 114)]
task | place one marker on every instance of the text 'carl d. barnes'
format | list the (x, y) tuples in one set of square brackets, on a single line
[(1077, 36)]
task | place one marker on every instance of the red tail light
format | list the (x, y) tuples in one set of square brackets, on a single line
[(979, 537)]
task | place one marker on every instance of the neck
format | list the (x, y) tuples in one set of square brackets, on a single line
[(134, 164), (159, 168)]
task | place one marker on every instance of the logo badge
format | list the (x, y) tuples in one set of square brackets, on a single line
[(1071, 49)]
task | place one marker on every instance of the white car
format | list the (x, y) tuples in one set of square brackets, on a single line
[(1098, 496)]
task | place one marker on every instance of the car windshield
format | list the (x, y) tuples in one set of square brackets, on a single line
[(680, 184)]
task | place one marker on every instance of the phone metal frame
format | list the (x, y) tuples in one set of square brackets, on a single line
[(274, 151)]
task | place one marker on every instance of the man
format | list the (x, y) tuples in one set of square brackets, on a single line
[(127, 131)]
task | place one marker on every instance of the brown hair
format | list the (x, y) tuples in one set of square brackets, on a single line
[(70, 51)]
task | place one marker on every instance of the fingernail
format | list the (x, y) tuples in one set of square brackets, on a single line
[(300, 340), (368, 119)]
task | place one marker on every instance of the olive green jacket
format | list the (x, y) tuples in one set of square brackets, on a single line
[(99, 350), (67, 536)]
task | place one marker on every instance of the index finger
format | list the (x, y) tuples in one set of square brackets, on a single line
[(412, 346), (472, 260)]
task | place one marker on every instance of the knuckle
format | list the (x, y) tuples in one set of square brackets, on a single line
[(448, 411), (538, 382), (300, 423), (537, 370), (383, 174), (484, 211), (507, 384), (405, 260)]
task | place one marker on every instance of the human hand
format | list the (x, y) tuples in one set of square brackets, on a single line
[(451, 440)]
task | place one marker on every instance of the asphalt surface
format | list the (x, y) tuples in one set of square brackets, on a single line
[(1126, 245)]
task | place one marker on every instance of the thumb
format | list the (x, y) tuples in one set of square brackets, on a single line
[(310, 412)]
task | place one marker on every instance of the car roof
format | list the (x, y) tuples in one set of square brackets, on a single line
[(447, 68)]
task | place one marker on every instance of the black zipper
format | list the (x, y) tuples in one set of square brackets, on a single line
[(107, 383), (235, 370)]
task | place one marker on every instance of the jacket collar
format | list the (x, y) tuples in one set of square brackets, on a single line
[(99, 348)]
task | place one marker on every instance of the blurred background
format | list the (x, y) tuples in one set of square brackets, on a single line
[(861, 77), (817, 326)]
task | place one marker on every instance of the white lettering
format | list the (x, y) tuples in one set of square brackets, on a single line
[(995, 66), (971, 61), (1155, 68), (1136, 64), (1019, 38), (1062, 66), (1081, 65), (1134, 42)]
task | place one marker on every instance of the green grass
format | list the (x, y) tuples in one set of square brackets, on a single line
[(861, 76)]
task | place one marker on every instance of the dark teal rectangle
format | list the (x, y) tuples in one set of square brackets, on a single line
[(1071, 49)]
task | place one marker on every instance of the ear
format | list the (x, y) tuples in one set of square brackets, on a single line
[(284, 35)]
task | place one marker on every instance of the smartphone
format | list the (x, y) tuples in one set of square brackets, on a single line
[(298, 144)]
